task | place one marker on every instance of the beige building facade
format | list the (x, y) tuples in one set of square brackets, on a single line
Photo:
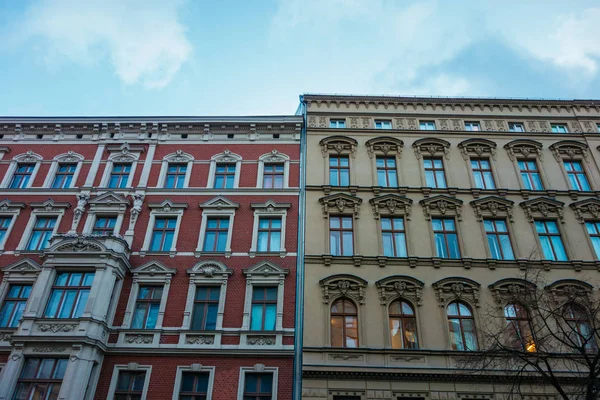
[(420, 212)]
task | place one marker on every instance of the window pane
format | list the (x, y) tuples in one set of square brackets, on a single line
[(348, 245), (400, 245), (441, 179), (494, 247), (440, 245), (275, 244), (81, 303), (454, 251), (152, 316), (256, 318), (546, 248), (506, 247), (270, 316), (559, 249), (68, 304)]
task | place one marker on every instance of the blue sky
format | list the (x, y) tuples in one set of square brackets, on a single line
[(196, 57)]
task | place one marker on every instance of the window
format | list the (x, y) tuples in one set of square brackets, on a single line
[(162, 234), (472, 126), (386, 172), (206, 306), (119, 176), (69, 294), (344, 324), (264, 308), (41, 233), (559, 128), (22, 176), (146, 307), (462, 327), (482, 173), (64, 176), (445, 237), (14, 305), (393, 237), (380, 124), (516, 127), (258, 386), (273, 175), (576, 175), (341, 236), (41, 378), (593, 229), (130, 385), (434, 172), (427, 125), (530, 175), (176, 176), (339, 170), (498, 239), (598, 127), (104, 226), (217, 230), (269, 234), (194, 385), (224, 176), (550, 240), (581, 333), (403, 325), (4, 225), (337, 123), (518, 327)]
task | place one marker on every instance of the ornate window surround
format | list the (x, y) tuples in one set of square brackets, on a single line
[(48, 208), (165, 209), (24, 271), (216, 207), (108, 203), (443, 206), (13, 210), (587, 210), (479, 148), (124, 153), (69, 157), (526, 149), (30, 158), (260, 368), (572, 150), (179, 157), (392, 205), (225, 157), (385, 146), (274, 157), (338, 145), (494, 207), (341, 204), (432, 147), (133, 366), (570, 290), (508, 290), (269, 209), (193, 368)]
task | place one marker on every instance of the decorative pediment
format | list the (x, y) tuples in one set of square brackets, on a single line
[(400, 286), (179, 156), (543, 207), (28, 157), (109, 199), (168, 206), (569, 149), (385, 145), (586, 209), (51, 205), (226, 156), (343, 285), (265, 269), (477, 147), (274, 157), (523, 148), (24, 266), (493, 206), (441, 205), (339, 144), (271, 206), (340, 203), (511, 290), (153, 268), (457, 288), (210, 269), (124, 152), (566, 290), (7, 205), (391, 204), (75, 244), (431, 147), (219, 203)]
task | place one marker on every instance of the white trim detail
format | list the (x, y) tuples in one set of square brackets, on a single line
[(123, 154), (66, 158), (258, 368), (12, 210), (217, 207), (274, 157), (269, 209), (24, 158), (165, 209), (133, 366), (107, 204), (194, 368), (224, 157), (49, 208), (22, 272), (179, 157)]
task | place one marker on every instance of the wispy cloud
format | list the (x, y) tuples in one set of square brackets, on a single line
[(143, 40)]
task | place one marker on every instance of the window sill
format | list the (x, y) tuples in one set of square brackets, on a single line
[(199, 253)]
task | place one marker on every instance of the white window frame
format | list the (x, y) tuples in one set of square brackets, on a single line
[(334, 123), (427, 127), (521, 124), (123, 154), (560, 126), (22, 272), (269, 209), (385, 124), (11, 210), (179, 157), (216, 207), (165, 209), (108, 203), (133, 366), (49, 208), (65, 158), (25, 158), (258, 368), (470, 124), (274, 157), (222, 158), (193, 368)]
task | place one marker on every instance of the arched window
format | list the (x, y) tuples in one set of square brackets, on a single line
[(462, 327), (518, 326), (344, 324), (579, 326), (403, 325)]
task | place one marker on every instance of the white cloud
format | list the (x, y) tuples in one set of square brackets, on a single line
[(143, 39)]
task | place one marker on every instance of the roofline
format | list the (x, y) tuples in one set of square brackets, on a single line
[(155, 119)]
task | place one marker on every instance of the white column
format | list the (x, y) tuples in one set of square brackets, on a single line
[(38, 291), (103, 295), (147, 166), (78, 373), (89, 181), (10, 373)]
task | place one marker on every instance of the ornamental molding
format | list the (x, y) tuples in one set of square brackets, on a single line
[(477, 147), (139, 339), (28, 157), (391, 204), (385, 145), (108, 199), (138, 201), (82, 200), (271, 206), (265, 269), (168, 206), (7, 205), (343, 285), (570, 290), (199, 339), (524, 148), (274, 156), (493, 206), (152, 268), (69, 156), (226, 156), (543, 207), (442, 206), (57, 328), (586, 209), (570, 149), (219, 203), (179, 156), (511, 290), (125, 148), (456, 288), (48, 349), (6, 336), (24, 266), (338, 144), (340, 203), (76, 244), (431, 147), (400, 287), (210, 269), (50, 205), (260, 340)]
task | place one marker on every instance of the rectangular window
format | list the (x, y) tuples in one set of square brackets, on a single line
[(258, 386), (337, 123), (119, 176), (550, 240), (427, 125), (4, 225), (273, 176), (217, 230), (206, 306), (498, 239), (341, 236), (593, 229), (434, 172), (381, 124), (21, 177), (530, 175), (163, 233), (224, 176), (41, 378), (146, 307), (516, 127), (559, 128), (41, 233), (130, 385), (176, 176), (339, 170), (264, 308), (64, 176), (482, 173), (69, 294), (386, 172), (194, 386), (394, 237), (576, 175), (446, 237), (472, 126), (104, 225), (14, 305), (269, 234)]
